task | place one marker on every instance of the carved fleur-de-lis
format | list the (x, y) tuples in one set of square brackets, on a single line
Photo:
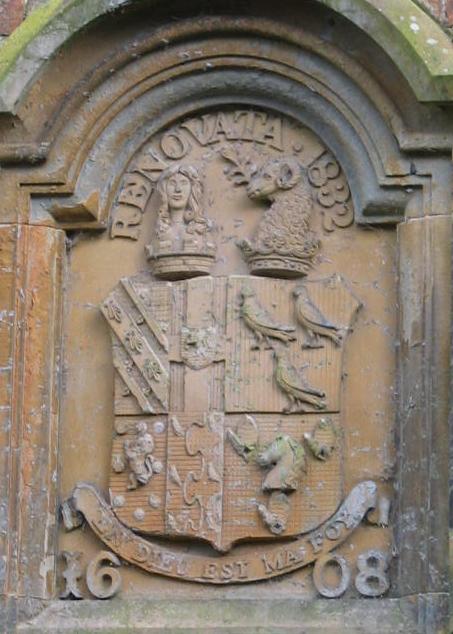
[(134, 341), (114, 311), (152, 369), (241, 170)]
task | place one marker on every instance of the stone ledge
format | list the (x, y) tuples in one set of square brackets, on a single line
[(410, 615)]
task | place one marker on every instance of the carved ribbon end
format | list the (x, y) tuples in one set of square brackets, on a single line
[(72, 518)]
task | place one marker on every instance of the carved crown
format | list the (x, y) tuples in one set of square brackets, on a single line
[(276, 265), (189, 262)]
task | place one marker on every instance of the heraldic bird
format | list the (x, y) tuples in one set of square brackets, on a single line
[(299, 393), (263, 325), (314, 323)]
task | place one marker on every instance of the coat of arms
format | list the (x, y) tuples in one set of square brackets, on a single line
[(228, 423)]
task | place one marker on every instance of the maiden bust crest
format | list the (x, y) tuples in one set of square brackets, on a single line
[(181, 247)]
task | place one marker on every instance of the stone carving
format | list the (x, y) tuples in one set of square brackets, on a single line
[(285, 459), (284, 244), (134, 341), (261, 322), (71, 574), (232, 135), (224, 358), (332, 193), (299, 393), (241, 169), (323, 439), (113, 311), (132, 200), (199, 346), (152, 370), (195, 490), (325, 590), (381, 515), (317, 317), (182, 247), (221, 379), (71, 518), (137, 457), (103, 578), (372, 580), (274, 560), (139, 344), (315, 324)]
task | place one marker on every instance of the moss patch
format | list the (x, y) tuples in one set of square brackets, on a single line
[(388, 21), (417, 44), (25, 33)]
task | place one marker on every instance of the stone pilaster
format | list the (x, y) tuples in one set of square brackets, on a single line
[(31, 261), (424, 365)]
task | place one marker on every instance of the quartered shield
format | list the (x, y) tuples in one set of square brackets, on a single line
[(222, 418)]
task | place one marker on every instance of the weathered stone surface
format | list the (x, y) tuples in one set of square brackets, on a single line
[(31, 277), (387, 616), (429, 70), (425, 247), (253, 309)]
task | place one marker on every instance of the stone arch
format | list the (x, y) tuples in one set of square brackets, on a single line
[(361, 123), (428, 72), (63, 164)]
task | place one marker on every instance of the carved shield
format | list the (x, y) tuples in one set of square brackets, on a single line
[(266, 368), (199, 346)]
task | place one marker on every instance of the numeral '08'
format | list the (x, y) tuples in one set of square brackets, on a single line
[(371, 580)]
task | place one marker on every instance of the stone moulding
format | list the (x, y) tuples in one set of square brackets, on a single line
[(52, 182), (429, 72), (378, 173)]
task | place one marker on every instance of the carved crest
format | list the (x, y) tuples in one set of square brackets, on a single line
[(248, 417), (199, 346), (228, 425)]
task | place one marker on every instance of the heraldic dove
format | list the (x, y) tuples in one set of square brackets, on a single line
[(263, 325), (314, 323), (296, 389)]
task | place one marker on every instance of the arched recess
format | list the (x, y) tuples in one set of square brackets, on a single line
[(380, 134), (426, 64), (64, 156)]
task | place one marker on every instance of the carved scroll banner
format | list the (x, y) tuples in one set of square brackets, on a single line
[(263, 563)]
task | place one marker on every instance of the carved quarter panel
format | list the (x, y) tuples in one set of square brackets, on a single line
[(139, 346), (252, 383)]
